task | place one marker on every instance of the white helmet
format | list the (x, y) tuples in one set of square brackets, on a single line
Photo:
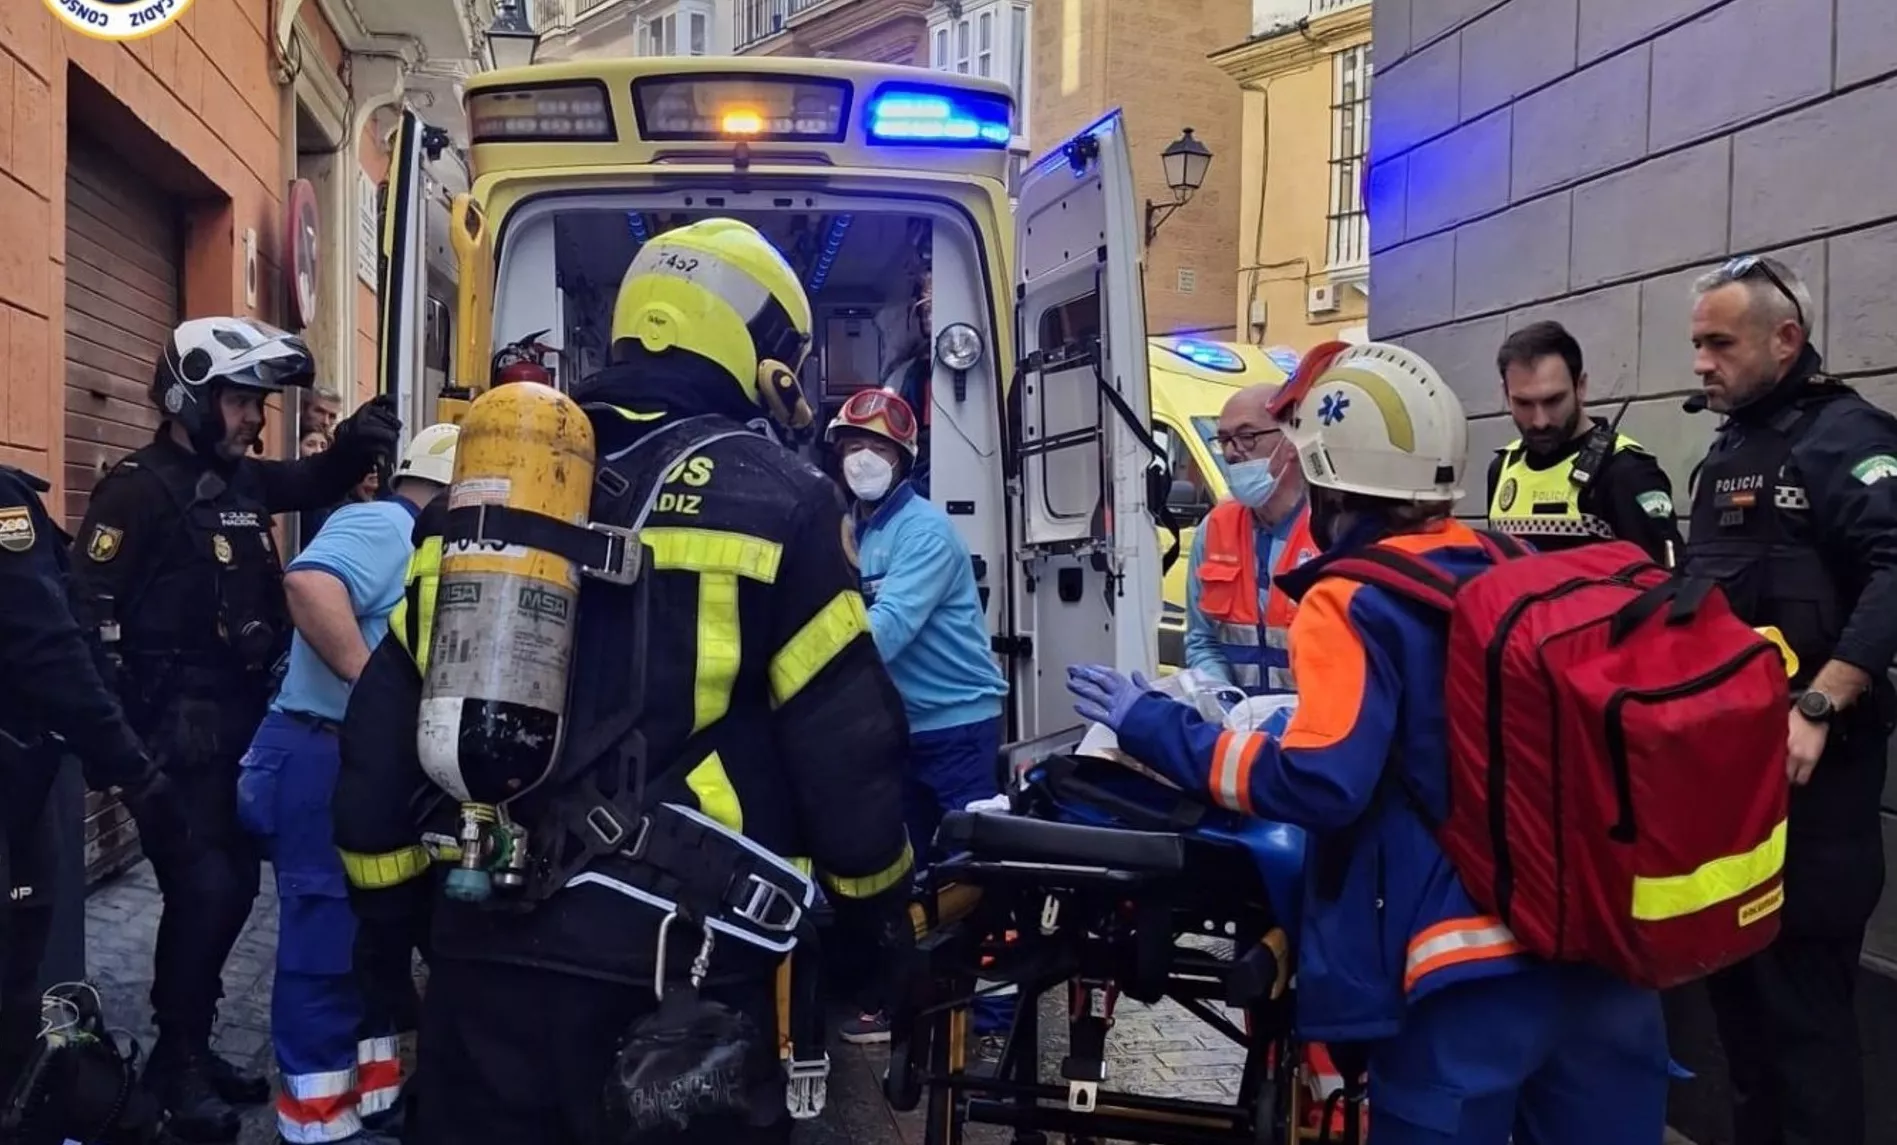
[(430, 456), (204, 355), (1376, 420)]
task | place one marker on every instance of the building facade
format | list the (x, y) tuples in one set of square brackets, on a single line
[(578, 29), (1149, 60), (1303, 234), (1583, 161), (879, 31)]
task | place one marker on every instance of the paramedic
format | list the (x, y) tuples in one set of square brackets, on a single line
[(50, 691), (177, 561), (1795, 515), (765, 708), (1468, 1038), (1238, 621), (926, 617), (340, 590), (1537, 487)]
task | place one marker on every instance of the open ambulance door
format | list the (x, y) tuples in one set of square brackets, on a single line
[(402, 279), (1087, 574)]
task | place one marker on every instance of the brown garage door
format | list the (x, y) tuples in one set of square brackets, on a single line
[(124, 249)]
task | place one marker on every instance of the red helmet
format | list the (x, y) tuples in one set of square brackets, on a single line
[(881, 412)]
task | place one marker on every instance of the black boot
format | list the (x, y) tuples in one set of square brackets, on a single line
[(233, 1085), (194, 1113)]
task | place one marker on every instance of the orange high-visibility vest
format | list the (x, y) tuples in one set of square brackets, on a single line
[(1257, 647)]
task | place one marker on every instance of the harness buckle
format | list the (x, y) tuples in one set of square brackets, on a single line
[(607, 828), (621, 565), (765, 905), (807, 1087)]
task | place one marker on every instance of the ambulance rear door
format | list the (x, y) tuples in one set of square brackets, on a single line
[(1086, 579), (402, 278)]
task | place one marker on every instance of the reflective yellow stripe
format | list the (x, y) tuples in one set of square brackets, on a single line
[(712, 550), (416, 630), (380, 872), (1674, 896), (867, 885), (717, 648), (817, 643), (716, 797)]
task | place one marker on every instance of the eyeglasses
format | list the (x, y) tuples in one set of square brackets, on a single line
[(1752, 265), (1244, 440)]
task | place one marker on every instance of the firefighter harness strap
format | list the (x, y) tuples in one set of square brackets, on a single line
[(678, 861), (603, 552)]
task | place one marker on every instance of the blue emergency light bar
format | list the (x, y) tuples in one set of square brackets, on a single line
[(1209, 355), (832, 245), (939, 117)]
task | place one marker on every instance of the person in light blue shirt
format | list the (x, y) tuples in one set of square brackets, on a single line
[(1237, 623), (340, 589), (926, 617)]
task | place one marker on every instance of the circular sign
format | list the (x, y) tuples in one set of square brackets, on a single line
[(118, 19), (302, 251)]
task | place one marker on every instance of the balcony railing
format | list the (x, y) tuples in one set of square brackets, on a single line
[(760, 19), (1275, 15), (582, 7)]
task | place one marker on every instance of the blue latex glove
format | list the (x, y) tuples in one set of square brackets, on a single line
[(1103, 695)]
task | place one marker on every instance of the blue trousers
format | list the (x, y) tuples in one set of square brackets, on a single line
[(1555, 1055), (316, 1006), (948, 770)]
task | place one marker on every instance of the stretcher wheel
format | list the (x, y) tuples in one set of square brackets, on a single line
[(902, 1084)]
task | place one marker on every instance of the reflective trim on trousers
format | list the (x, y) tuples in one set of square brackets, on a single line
[(314, 1108), (378, 1075)]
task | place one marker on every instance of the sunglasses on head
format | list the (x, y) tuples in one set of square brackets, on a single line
[(1754, 266)]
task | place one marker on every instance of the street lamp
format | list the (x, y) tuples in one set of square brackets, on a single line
[(1185, 160), (511, 39)]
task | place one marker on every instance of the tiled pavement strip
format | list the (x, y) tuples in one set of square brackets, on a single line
[(1152, 1049)]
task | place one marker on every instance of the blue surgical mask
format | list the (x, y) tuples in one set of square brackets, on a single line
[(1252, 482)]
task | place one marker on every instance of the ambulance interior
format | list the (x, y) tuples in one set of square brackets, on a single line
[(866, 273)]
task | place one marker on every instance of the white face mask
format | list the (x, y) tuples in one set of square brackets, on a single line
[(868, 475)]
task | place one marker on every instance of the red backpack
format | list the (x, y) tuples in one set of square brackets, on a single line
[(1617, 788)]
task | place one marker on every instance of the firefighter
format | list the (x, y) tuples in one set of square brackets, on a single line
[(735, 679), (178, 567), (1571, 479), (1468, 1039), (1237, 619), (1795, 516)]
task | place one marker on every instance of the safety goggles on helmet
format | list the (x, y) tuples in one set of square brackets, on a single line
[(880, 412), (1757, 266)]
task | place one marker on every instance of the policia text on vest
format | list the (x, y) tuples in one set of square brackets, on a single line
[(1626, 498)]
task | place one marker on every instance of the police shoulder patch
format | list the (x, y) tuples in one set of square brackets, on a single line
[(103, 545), (1871, 470), (1655, 503), (16, 529), (849, 542)]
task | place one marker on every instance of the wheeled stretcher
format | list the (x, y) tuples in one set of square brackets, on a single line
[(1103, 884)]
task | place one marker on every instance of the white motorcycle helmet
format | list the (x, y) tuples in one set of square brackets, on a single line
[(206, 355), (1376, 420), (430, 456)]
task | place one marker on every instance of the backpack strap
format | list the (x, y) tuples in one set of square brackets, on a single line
[(1403, 574)]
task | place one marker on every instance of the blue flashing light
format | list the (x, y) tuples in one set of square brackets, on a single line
[(832, 246), (1209, 355), (935, 117), (636, 224), (1285, 358)]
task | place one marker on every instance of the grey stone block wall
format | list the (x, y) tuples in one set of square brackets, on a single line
[(1583, 160)]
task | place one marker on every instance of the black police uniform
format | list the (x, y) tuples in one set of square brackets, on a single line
[(1628, 498), (50, 691), (176, 551), (766, 707), (1795, 515)]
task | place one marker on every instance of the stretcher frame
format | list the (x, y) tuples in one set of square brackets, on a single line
[(971, 898)]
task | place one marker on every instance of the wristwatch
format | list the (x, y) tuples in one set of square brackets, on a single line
[(1816, 706)]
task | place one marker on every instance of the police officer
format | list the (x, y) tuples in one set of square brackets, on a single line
[(176, 561), (765, 709), (1571, 479), (51, 691), (1795, 516)]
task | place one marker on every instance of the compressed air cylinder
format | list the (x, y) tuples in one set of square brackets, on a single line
[(494, 700)]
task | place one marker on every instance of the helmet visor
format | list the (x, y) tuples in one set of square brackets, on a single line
[(866, 406)]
